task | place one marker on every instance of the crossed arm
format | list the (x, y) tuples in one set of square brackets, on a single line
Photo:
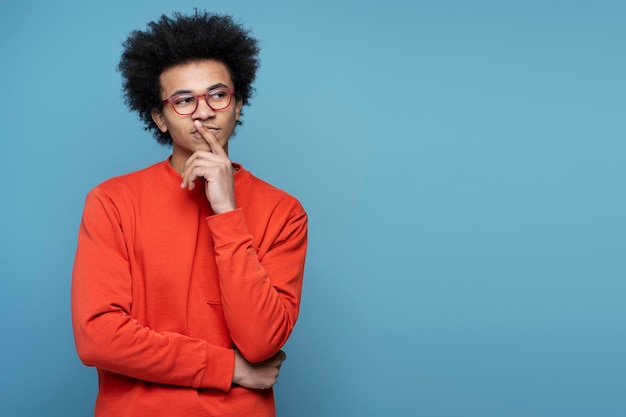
[(108, 337)]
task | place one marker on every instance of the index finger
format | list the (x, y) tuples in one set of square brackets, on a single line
[(216, 148)]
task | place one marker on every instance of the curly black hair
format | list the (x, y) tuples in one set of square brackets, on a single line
[(178, 40)]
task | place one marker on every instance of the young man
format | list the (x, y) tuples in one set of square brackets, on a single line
[(188, 273)]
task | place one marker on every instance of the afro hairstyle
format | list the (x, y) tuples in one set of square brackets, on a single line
[(179, 39)]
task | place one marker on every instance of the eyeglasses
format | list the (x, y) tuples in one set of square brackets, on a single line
[(186, 104)]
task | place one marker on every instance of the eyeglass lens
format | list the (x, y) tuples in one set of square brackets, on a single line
[(186, 104)]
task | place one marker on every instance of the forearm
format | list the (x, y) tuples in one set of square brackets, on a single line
[(118, 343), (260, 297), (259, 318), (108, 335)]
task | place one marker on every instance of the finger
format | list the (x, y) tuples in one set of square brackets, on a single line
[(187, 180), (216, 148), (187, 183), (194, 174), (194, 168), (201, 158)]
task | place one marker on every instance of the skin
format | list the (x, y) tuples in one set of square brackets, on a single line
[(200, 150), (200, 140), (261, 375)]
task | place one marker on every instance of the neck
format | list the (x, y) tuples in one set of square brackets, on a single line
[(177, 163)]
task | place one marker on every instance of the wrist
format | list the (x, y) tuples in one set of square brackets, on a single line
[(220, 209)]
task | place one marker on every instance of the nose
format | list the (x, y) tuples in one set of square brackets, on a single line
[(203, 111)]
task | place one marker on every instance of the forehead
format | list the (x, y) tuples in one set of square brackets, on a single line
[(194, 76)]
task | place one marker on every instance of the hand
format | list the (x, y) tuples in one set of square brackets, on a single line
[(261, 375), (216, 169)]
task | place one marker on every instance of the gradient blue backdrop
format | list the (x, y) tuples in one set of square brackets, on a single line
[(462, 162)]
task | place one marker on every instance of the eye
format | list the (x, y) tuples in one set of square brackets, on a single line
[(183, 100), (218, 95)]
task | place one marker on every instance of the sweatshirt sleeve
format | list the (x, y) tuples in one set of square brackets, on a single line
[(260, 291), (106, 335)]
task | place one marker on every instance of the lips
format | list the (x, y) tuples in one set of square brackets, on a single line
[(212, 129)]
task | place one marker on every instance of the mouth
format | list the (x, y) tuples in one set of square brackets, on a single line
[(211, 129)]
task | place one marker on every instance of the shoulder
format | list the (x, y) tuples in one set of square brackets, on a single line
[(126, 188), (133, 178), (132, 181), (260, 193)]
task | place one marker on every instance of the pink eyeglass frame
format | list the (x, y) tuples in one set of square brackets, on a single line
[(170, 100)]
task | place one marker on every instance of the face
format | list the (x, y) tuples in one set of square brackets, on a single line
[(196, 77)]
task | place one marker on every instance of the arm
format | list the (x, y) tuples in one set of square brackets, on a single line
[(107, 336), (260, 292)]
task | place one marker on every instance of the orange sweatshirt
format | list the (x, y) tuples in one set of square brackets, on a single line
[(164, 290)]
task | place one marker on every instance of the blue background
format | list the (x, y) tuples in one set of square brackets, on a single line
[(462, 163)]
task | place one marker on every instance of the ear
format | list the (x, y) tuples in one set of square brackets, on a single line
[(238, 106), (159, 120)]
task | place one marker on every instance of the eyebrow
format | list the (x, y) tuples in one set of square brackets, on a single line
[(213, 87)]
